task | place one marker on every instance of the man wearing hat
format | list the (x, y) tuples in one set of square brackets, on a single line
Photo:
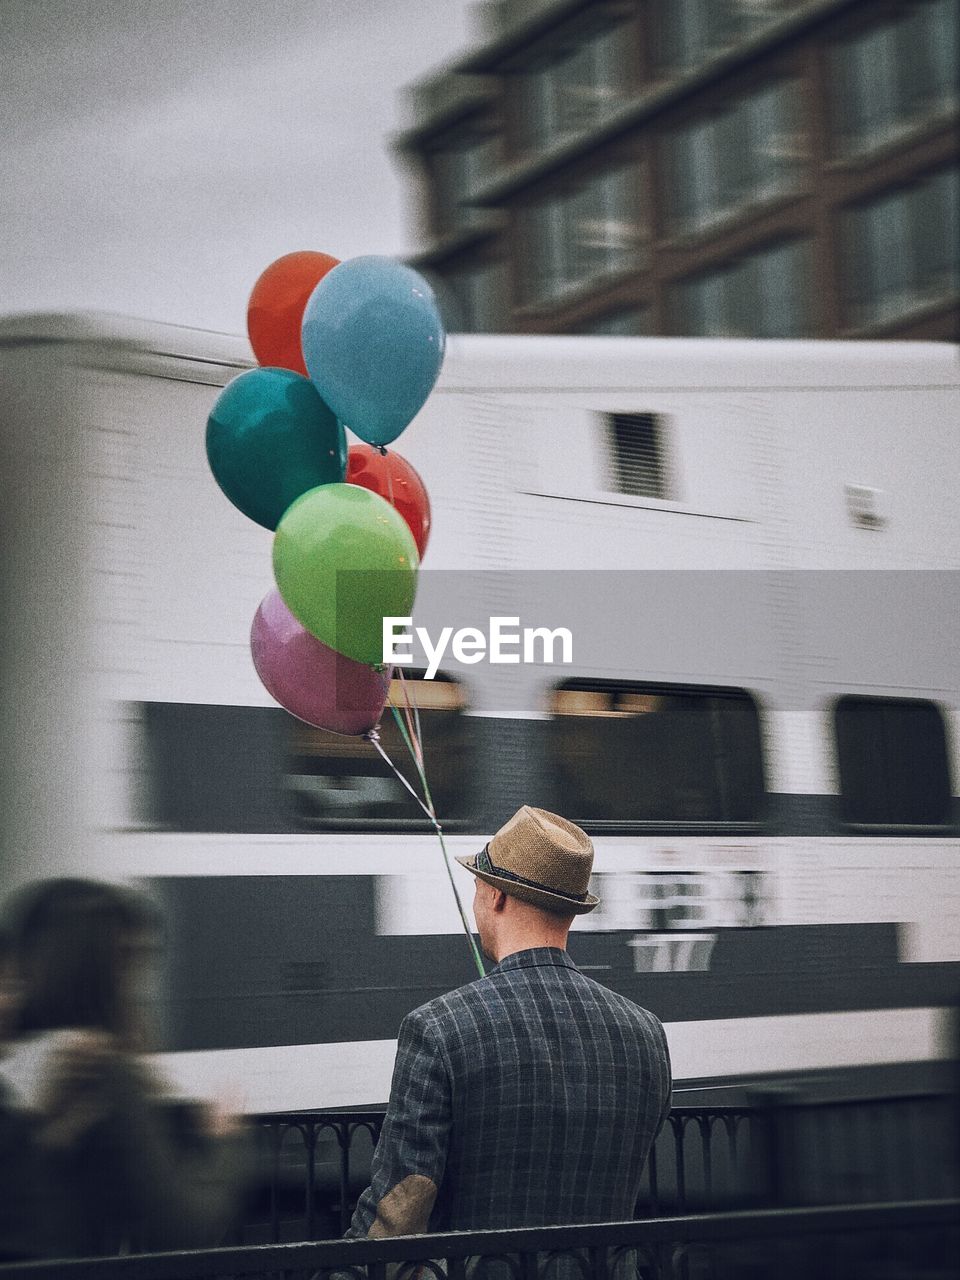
[(531, 1096)]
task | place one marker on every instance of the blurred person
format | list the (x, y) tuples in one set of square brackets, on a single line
[(19, 1175), (532, 1095), (9, 988), (120, 1165)]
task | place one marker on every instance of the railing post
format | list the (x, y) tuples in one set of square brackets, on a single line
[(529, 1264), (344, 1136), (730, 1125), (706, 1134), (310, 1138), (598, 1262), (277, 1134), (777, 1109), (678, 1125), (652, 1180)]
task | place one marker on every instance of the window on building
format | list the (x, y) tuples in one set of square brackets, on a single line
[(629, 754), (892, 77), (579, 236), (481, 302), (572, 86), (637, 454), (688, 32), (765, 295), (892, 758), (459, 167), (340, 783), (902, 250), (630, 322), (741, 156)]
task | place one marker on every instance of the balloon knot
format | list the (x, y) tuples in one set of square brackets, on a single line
[(371, 736), (381, 449)]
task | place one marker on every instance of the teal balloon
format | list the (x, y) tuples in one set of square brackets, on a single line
[(373, 344), (270, 438), (344, 559)]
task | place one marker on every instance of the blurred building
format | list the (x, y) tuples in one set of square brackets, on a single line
[(769, 168)]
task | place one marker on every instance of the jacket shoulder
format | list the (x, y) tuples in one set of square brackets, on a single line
[(486, 993), (628, 1009), (450, 1005)]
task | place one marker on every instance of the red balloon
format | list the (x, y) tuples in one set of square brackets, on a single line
[(276, 307), (313, 682), (394, 479)]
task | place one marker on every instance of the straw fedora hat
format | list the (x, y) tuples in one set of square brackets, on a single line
[(539, 858)]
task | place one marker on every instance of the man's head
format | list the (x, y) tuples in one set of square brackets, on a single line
[(532, 879)]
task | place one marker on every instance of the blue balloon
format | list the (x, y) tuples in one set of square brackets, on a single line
[(373, 344)]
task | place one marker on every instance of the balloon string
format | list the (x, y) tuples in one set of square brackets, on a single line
[(410, 695), (373, 737), (415, 735), (413, 749), (419, 759), (417, 756), (432, 814)]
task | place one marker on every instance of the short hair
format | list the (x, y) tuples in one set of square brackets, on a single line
[(68, 938)]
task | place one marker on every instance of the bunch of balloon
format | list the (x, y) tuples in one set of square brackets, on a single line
[(354, 344)]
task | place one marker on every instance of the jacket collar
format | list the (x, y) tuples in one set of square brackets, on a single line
[(535, 957)]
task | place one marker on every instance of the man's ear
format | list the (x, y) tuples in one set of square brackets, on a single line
[(499, 900)]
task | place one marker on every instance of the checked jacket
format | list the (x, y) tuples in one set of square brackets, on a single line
[(529, 1097)]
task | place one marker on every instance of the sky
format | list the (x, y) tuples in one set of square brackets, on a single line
[(157, 156)]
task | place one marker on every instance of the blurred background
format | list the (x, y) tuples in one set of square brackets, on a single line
[(158, 156), (763, 168), (784, 892), (766, 168)]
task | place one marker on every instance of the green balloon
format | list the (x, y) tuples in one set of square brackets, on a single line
[(344, 559)]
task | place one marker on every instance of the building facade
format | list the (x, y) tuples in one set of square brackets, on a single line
[(761, 168)]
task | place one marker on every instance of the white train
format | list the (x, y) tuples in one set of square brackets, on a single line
[(755, 548)]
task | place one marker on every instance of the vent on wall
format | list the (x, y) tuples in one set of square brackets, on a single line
[(636, 445), (865, 506)]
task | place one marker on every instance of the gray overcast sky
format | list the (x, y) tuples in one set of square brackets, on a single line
[(158, 155)]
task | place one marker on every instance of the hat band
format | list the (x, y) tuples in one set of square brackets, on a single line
[(485, 863)]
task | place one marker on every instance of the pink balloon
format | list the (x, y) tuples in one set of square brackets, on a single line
[(311, 681)]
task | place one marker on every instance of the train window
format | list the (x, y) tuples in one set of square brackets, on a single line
[(338, 783), (667, 756), (892, 759), (213, 768), (637, 454)]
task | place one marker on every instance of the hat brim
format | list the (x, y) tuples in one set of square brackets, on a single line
[(542, 898)]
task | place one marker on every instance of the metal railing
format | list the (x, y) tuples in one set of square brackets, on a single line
[(860, 1150), (780, 1150), (314, 1165), (878, 1241)]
